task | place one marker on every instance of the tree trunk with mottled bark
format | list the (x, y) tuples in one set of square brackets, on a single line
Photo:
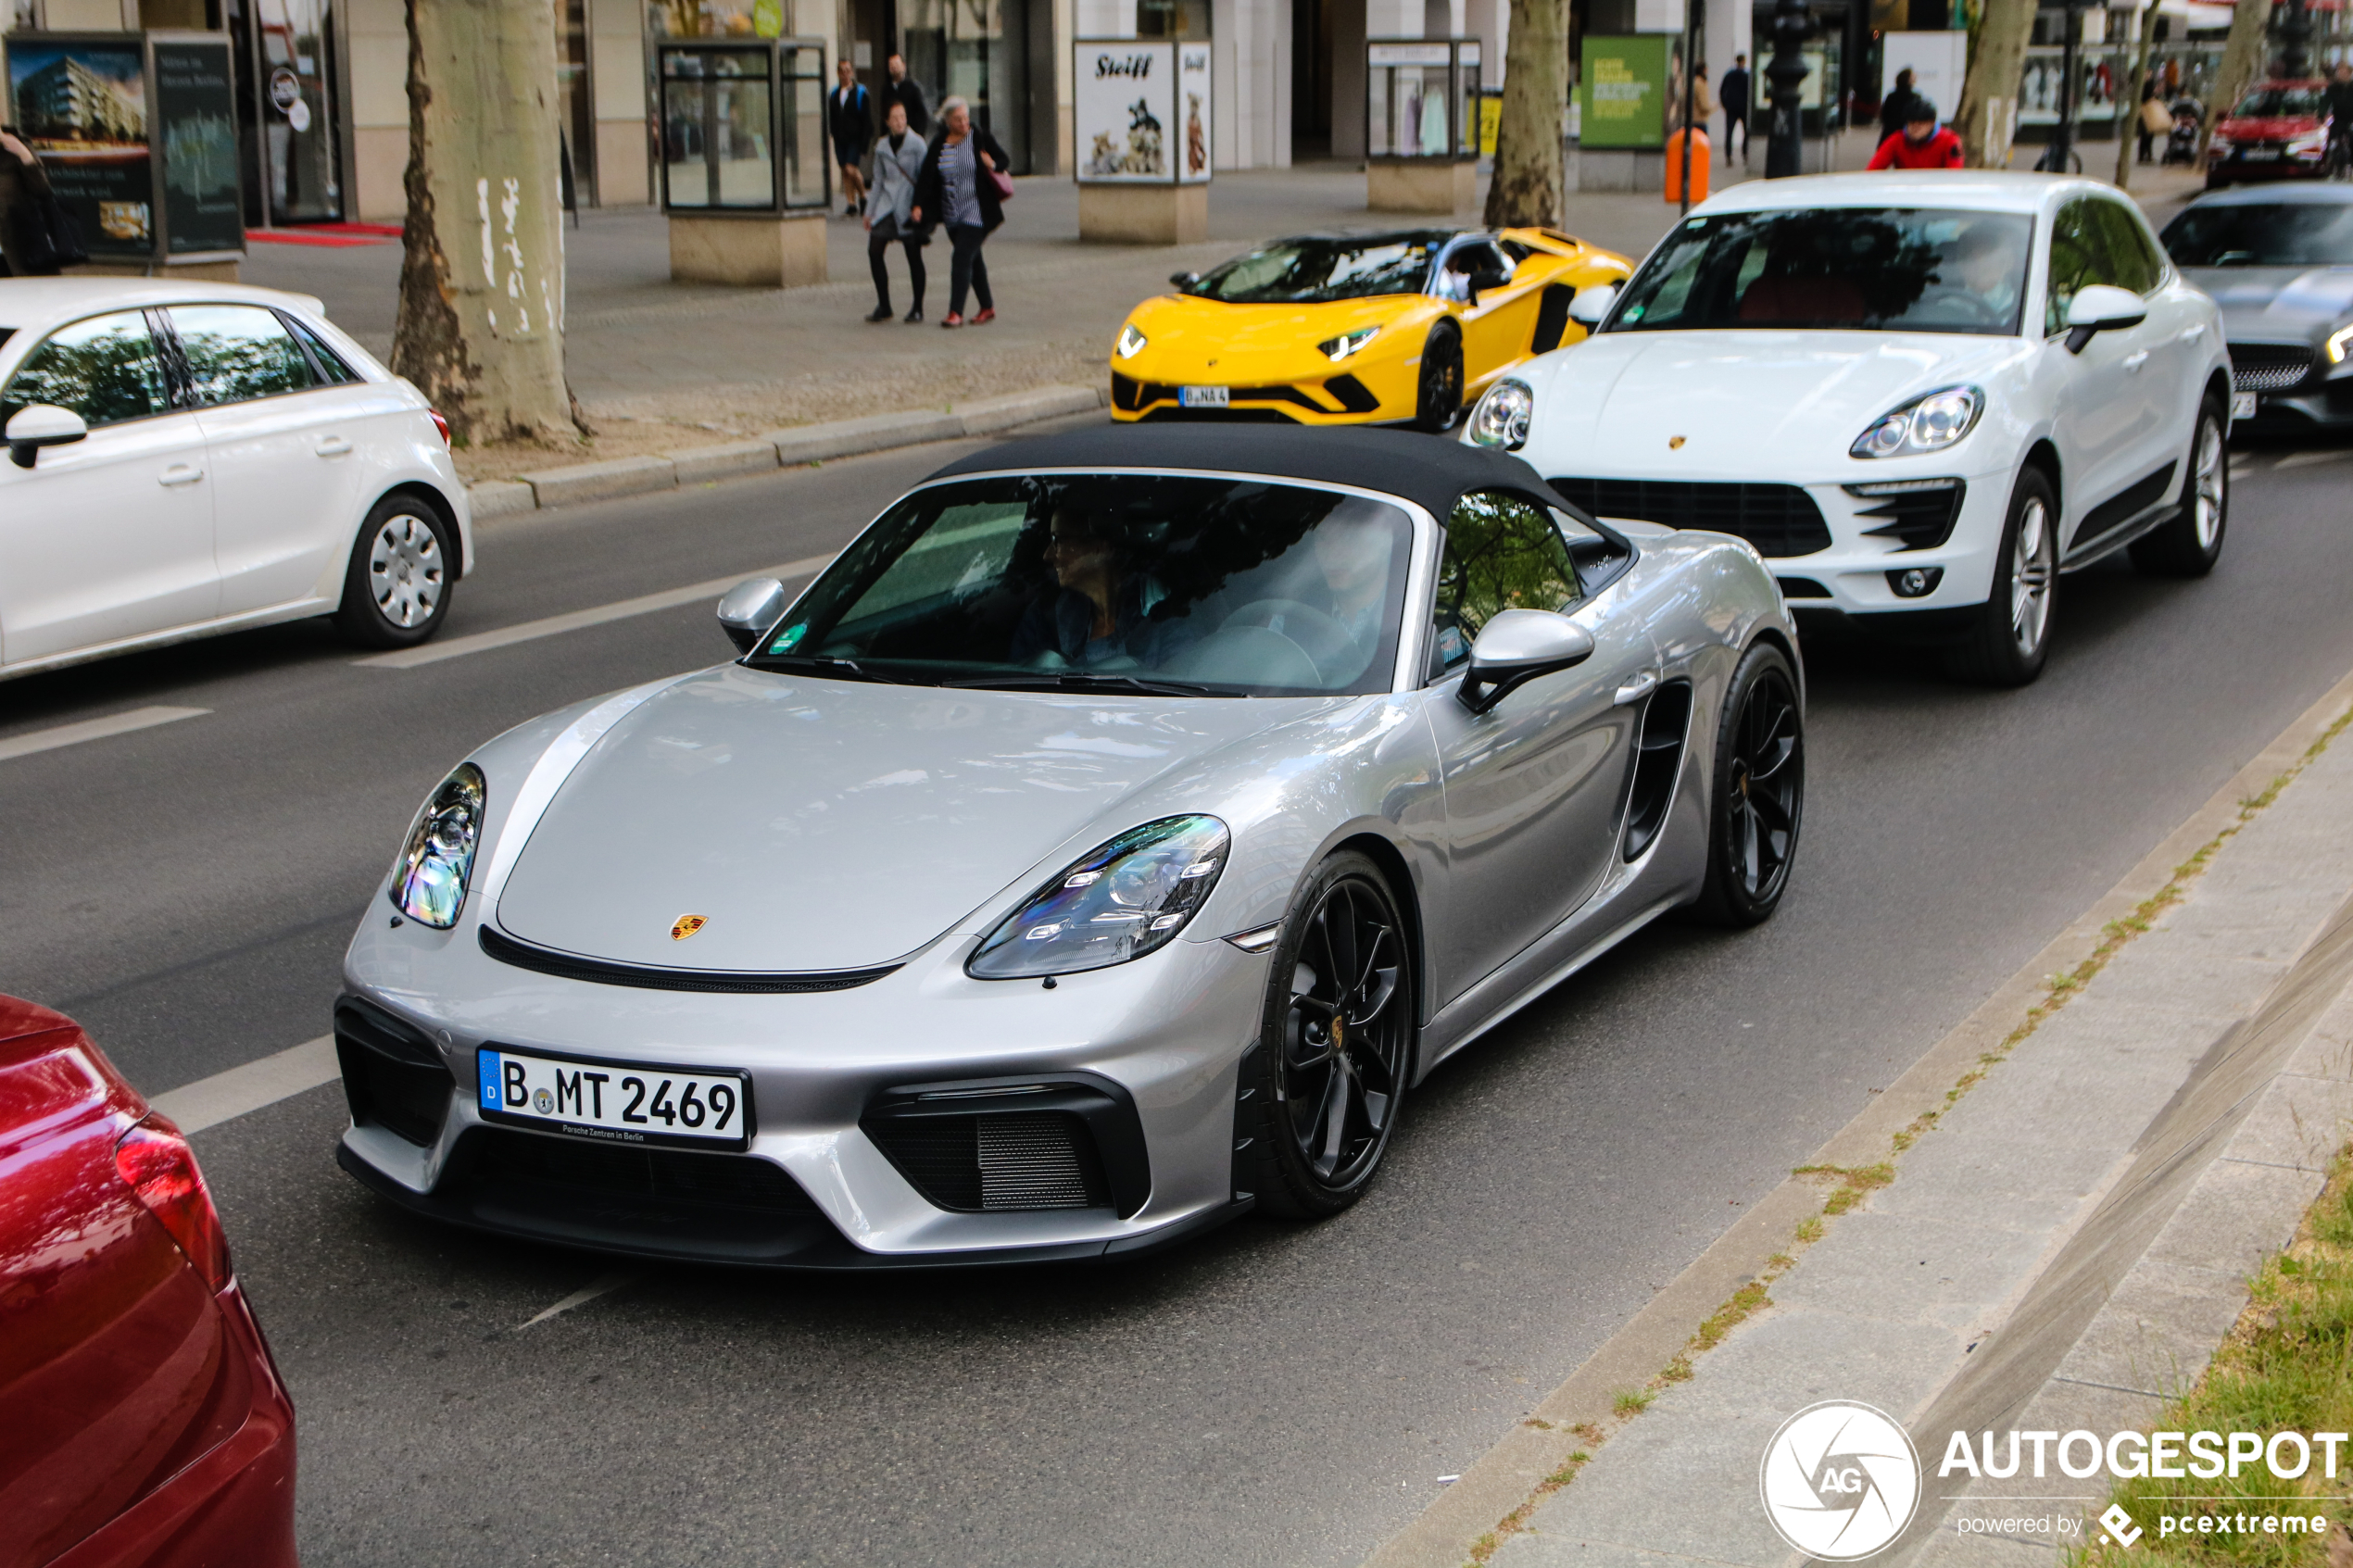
[(2245, 53), (481, 281), (1525, 189), (1987, 120), (2128, 130)]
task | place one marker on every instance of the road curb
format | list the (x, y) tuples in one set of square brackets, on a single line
[(1505, 1479), (579, 483)]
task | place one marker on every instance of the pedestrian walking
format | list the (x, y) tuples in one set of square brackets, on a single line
[(902, 90), (899, 159), (850, 115), (1701, 106), (2155, 120), (1895, 109), (27, 247), (959, 188), (1735, 100), (1922, 143)]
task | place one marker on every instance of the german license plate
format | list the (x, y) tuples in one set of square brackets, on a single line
[(615, 1101), (2259, 154), (1202, 396), (2241, 404)]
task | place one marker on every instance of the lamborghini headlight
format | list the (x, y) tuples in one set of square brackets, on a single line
[(1121, 900), (1131, 342), (1340, 348), (1925, 424), (429, 880), (1502, 415)]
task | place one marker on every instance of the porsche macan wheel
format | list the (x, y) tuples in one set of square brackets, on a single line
[(2191, 543), (1336, 1045), (1438, 402), (1758, 800), (2013, 634)]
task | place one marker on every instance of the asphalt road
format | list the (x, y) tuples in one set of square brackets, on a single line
[(1271, 1395)]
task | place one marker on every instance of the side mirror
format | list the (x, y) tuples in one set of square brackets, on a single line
[(40, 425), (1184, 280), (1514, 648), (2101, 307), (1592, 303), (1489, 279), (748, 608)]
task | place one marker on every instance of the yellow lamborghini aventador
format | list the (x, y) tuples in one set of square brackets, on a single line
[(1353, 329)]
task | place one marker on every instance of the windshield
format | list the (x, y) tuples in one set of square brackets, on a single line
[(2281, 103), (1869, 269), (1310, 271), (2273, 234), (1150, 583)]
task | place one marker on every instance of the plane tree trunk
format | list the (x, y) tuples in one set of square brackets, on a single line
[(1525, 189), (480, 328), (1987, 119)]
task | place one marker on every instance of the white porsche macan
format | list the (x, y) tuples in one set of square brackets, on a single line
[(1920, 396)]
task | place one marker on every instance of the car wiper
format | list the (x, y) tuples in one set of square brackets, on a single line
[(1084, 680), (829, 666)]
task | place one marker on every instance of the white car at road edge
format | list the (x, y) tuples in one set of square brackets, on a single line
[(187, 458), (1920, 396)]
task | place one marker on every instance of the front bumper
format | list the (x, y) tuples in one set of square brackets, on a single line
[(2294, 386), (815, 1188), (2237, 168), (1359, 394)]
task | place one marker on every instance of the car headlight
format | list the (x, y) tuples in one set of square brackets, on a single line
[(429, 880), (1340, 348), (1131, 342), (2218, 142), (2339, 342), (1502, 415), (2310, 145), (1119, 901), (1925, 424)]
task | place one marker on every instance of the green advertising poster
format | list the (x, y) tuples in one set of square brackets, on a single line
[(1622, 93), (196, 113)]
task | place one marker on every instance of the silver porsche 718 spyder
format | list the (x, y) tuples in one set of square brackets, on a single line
[(1102, 846)]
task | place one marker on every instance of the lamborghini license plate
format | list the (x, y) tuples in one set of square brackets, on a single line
[(2241, 404), (615, 1101), (1202, 396)]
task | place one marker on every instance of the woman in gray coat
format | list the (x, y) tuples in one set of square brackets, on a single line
[(898, 157)]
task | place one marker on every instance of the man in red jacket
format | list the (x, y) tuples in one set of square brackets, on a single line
[(1922, 143)]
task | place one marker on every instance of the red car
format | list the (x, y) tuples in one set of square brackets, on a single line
[(2280, 131), (142, 1420)]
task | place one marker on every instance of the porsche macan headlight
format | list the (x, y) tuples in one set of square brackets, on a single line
[(1131, 342), (1340, 348), (1119, 901), (2340, 342), (1502, 417), (1925, 424), (429, 880)]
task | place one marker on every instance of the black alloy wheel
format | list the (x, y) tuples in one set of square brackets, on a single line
[(1336, 1045), (1439, 401), (1759, 799)]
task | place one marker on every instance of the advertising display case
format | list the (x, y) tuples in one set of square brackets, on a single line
[(1140, 113), (137, 133), (746, 173), (1422, 101)]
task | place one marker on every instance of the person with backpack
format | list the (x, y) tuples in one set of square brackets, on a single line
[(28, 247), (850, 117)]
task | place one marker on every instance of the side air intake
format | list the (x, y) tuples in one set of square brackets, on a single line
[(1659, 761)]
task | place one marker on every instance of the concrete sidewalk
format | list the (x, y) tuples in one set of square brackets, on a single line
[(2058, 1243)]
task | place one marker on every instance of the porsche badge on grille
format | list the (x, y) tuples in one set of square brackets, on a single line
[(685, 926), (1675, 442)]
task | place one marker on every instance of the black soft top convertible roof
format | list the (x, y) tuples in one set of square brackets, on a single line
[(1431, 470)]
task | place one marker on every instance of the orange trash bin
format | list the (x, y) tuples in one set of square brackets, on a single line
[(1675, 166)]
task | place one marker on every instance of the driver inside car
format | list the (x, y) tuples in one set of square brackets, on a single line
[(1988, 260), (1099, 616)]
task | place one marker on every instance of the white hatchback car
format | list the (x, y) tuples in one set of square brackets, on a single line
[(1920, 396), (188, 458)]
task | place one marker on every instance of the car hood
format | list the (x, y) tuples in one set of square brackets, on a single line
[(2277, 304), (1737, 404), (1198, 340), (2268, 129), (830, 824)]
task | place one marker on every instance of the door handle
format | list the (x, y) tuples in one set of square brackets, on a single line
[(332, 447), (2191, 334), (2132, 362), (180, 473), (1638, 688)]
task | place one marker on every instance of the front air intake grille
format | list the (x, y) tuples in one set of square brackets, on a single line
[(1778, 520), (1920, 513), (2270, 367), (505, 1160), (392, 1075), (601, 971), (996, 1163)]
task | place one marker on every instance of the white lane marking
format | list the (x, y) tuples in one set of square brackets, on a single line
[(95, 729), (224, 1096), (2298, 459), (604, 1285), (553, 625)]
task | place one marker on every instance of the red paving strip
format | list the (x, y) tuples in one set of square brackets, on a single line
[(330, 235)]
